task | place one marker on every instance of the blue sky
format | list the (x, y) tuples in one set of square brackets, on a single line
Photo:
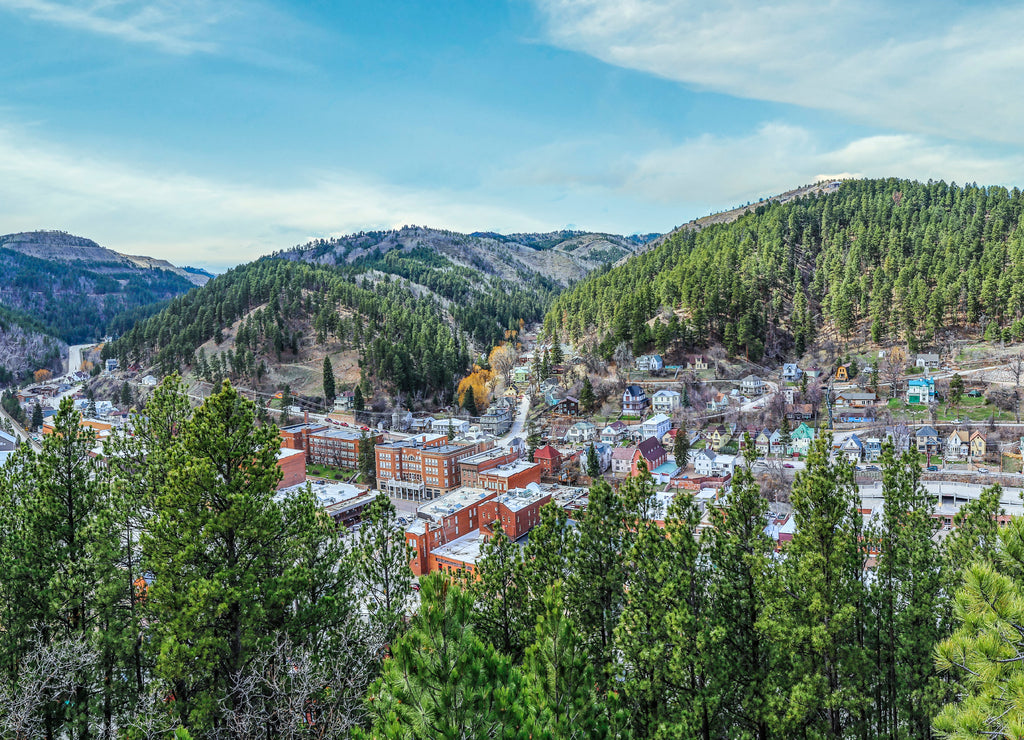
[(213, 131)]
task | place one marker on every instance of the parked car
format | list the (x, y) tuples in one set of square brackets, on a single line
[(983, 470), (788, 465), (933, 468)]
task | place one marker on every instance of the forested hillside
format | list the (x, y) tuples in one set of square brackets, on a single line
[(75, 290), (894, 258), (413, 316), (555, 258)]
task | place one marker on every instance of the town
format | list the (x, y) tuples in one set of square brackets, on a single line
[(550, 429)]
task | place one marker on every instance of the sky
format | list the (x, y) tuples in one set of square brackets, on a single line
[(210, 132)]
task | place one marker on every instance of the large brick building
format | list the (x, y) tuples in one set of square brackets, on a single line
[(471, 467), (549, 458), (449, 532), (503, 478), (296, 436), (338, 448), (293, 468), (424, 466)]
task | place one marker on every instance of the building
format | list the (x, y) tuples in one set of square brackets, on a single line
[(622, 460), (604, 455), (296, 436), (791, 372), (451, 428), (649, 363), (928, 361), (518, 510), (517, 474), (978, 445), (651, 452), (697, 363), (498, 418), (338, 448), (614, 433), (800, 439), (666, 401), (703, 462), (842, 374), (958, 444), (752, 386), (424, 466), (580, 432), (800, 411), (293, 468), (855, 399), (471, 467), (927, 441), (442, 521), (852, 448), (872, 448), (634, 400), (549, 459), (921, 390), (657, 426)]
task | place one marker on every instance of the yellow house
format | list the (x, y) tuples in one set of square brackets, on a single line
[(842, 374), (978, 448)]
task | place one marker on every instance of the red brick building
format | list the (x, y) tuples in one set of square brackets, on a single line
[(518, 510), (293, 468), (296, 436), (651, 452), (518, 474), (549, 458), (423, 467), (338, 448), (471, 467)]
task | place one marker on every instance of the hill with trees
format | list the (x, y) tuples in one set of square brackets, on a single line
[(57, 289), (890, 259)]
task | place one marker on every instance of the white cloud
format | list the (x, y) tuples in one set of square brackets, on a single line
[(934, 68), (718, 172), (190, 219)]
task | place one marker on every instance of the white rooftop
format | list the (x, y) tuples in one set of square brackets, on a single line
[(465, 549), (506, 471), (447, 505), (519, 498)]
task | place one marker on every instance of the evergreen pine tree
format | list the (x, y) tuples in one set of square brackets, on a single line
[(499, 591), (381, 567), (367, 458), (357, 399), (37, 417), (588, 401), (594, 584), (469, 402), (593, 467), (681, 446), (329, 393), (442, 680)]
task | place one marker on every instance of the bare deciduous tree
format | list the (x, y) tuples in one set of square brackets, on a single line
[(302, 695), (49, 673), (1016, 369)]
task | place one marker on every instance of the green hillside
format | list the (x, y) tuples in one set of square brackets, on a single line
[(901, 259)]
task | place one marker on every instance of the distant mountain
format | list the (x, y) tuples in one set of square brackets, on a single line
[(406, 310), (59, 246), (563, 257), (73, 290)]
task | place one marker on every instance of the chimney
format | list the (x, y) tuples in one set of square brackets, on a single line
[(306, 416)]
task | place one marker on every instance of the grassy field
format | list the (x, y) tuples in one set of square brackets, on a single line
[(326, 471)]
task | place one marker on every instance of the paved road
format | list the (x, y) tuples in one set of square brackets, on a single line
[(75, 357), (517, 424)]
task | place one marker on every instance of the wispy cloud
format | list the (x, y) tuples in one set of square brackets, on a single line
[(946, 68), (711, 172), (187, 218), (180, 27)]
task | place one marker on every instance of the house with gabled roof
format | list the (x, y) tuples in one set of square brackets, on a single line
[(634, 400), (666, 401), (622, 460), (979, 447), (791, 372), (921, 390), (649, 363), (927, 440), (958, 444), (752, 386), (614, 432), (651, 452), (800, 439), (852, 448)]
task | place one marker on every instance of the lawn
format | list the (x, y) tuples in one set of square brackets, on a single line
[(969, 410), (326, 471)]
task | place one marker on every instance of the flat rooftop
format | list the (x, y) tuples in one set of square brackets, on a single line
[(519, 498), (465, 549), (491, 454), (506, 471), (347, 435), (327, 494), (448, 504)]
